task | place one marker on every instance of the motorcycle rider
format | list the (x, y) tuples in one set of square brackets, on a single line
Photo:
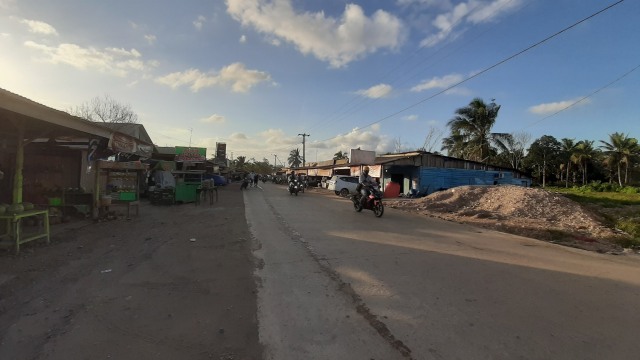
[(365, 181), (292, 178)]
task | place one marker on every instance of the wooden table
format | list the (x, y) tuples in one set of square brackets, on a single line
[(14, 227)]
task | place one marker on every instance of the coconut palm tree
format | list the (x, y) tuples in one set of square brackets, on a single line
[(583, 154), (471, 134), (620, 150), (568, 148), (295, 159), (339, 155)]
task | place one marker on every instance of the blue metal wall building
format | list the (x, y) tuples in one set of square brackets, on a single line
[(427, 173)]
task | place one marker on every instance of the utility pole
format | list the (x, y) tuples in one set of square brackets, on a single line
[(275, 164), (304, 136)]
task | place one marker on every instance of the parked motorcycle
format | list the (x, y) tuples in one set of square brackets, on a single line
[(294, 187), (373, 202)]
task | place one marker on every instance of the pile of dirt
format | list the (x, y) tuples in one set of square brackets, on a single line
[(530, 212)]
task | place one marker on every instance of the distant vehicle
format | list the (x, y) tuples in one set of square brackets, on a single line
[(217, 179), (343, 185)]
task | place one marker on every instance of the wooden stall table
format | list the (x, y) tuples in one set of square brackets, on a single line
[(14, 227)]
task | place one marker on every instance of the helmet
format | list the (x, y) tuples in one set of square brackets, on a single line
[(365, 170)]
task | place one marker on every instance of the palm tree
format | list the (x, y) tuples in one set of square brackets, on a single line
[(240, 162), (471, 134), (620, 149), (339, 155), (294, 158), (568, 148), (583, 154)]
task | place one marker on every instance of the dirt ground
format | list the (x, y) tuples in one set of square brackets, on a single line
[(175, 282), (530, 212)]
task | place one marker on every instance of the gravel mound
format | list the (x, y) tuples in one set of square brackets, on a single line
[(530, 212)]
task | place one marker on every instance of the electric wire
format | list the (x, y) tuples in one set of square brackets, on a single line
[(361, 100), (585, 97), (511, 57)]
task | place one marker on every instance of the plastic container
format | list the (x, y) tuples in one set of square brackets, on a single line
[(127, 196)]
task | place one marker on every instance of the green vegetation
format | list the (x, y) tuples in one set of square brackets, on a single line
[(619, 205)]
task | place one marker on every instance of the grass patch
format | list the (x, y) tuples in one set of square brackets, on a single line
[(620, 209)]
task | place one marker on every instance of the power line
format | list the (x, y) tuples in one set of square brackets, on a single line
[(586, 97), (360, 100), (486, 69)]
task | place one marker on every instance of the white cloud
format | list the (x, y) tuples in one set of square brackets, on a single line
[(411, 117), (440, 3), (39, 27), (151, 39), (6, 4), (377, 92), (114, 61), (338, 41), (236, 76), (199, 22), (554, 107), (214, 119), (451, 24), (243, 39), (238, 137), (369, 139), (438, 82)]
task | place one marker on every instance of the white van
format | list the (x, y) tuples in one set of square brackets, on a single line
[(343, 185)]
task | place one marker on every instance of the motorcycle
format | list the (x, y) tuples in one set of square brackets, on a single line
[(373, 202), (245, 184), (294, 187)]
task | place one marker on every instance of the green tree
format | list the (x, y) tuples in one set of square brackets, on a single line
[(568, 149), (583, 155), (471, 134), (340, 155), (544, 153), (240, 163), (295, 159), (620, 149)]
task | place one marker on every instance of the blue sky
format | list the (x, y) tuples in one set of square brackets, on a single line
[(368, 74)]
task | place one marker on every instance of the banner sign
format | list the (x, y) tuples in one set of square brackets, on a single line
[(362, 157), (190, 154), (221, 150), (119, 142)]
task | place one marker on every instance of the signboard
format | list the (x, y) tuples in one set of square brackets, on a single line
[(122, 143), (119, 142), (221, 151), (190, 154), (362, 157)]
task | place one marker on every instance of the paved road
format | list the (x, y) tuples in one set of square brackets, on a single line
[(336, 284)]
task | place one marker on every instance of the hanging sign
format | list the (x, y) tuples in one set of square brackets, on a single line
[(190, 154)]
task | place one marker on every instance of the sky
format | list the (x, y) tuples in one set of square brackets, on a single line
[(371, 74)]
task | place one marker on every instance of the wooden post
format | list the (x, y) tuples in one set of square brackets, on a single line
[(17, 177), (95, 212)]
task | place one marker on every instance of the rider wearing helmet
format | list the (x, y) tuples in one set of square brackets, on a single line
[(292, 177), (365, 181)]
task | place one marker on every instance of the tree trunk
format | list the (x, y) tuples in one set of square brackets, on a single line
[(619, 175), (626, 173), (567, 179)]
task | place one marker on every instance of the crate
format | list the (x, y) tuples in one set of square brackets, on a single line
[(55, 201), (128, 196)]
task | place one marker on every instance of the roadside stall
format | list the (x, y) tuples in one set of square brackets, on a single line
[(190, 164), (122, 181)]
